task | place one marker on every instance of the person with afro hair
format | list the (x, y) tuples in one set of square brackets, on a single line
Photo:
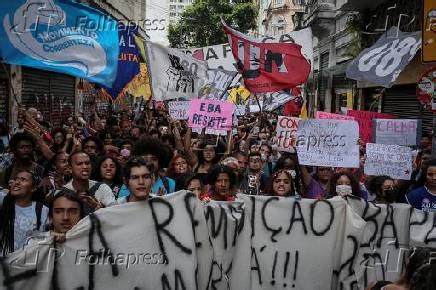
[(157, 156)]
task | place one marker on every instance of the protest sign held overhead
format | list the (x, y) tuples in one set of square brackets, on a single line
[(218, 81), (331, 116), (331, 143), (267, 67), (60, 36), (178, 110), (286, 133), (364, 118), (382, 63), (391, 160), (211, 114), (173, 73), (397, 131)]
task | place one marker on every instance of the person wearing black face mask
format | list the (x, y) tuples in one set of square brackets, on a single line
[(384, 189)]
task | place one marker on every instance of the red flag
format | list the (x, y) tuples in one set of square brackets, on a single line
[(267, 67)]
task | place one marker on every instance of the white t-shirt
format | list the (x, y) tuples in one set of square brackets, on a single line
[(103, 194), (25, 222)]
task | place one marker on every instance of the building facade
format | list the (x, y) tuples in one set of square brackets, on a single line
[(176, 8), (341, 29), (55, 95), (276, 16)]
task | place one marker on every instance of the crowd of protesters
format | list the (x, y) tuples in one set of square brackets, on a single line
[(50, 177)]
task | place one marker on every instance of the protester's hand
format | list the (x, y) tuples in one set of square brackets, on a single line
[(91, 201), (58, 179), (58, 237), (176, 134), (162, 191)]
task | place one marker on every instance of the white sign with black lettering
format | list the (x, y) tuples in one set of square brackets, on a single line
[(396, 131), (331, 143), (391, 160), (178, 110)]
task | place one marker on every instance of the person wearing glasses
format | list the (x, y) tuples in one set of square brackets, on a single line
[(138, 178)]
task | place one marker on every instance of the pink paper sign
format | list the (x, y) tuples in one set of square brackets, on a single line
[(331, 116), (364, 118), (210, 114)]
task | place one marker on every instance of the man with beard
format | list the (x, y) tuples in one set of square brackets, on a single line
[(22, 146), (94, 194)]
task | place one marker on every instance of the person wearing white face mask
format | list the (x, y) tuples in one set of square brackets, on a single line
[(343, 184)]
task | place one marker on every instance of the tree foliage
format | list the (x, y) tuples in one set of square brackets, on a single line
[(200, 24)]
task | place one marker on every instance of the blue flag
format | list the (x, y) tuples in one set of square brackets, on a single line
[(128, 62), (61, 36)]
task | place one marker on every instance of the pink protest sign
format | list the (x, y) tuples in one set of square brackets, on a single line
[(210, 114), (364, 118), (331, 116)]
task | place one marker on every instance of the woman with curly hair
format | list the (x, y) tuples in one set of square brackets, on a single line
[(343, 184), (384, 189), (177, 166), (109, 171), (281, 183), (222, 182)]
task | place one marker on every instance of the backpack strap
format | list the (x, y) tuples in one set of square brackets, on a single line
[(270, 169), (38, 212), (94, 188)]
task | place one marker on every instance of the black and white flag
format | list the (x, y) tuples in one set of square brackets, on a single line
[(383, 62)]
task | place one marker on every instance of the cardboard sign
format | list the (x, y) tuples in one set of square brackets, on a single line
[(210, 114), (331, 143), (286, 133), (331, 116), (364, 118), (397, 131), (391, 160), (178, 110)]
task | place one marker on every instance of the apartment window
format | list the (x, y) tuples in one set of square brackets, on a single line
[(181, 7), (173, 14), (172, 7), (278, 2)]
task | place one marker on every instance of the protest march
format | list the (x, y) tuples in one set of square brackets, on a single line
[(251, 149)]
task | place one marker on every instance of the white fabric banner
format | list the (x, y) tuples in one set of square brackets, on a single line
[(256, 242)]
